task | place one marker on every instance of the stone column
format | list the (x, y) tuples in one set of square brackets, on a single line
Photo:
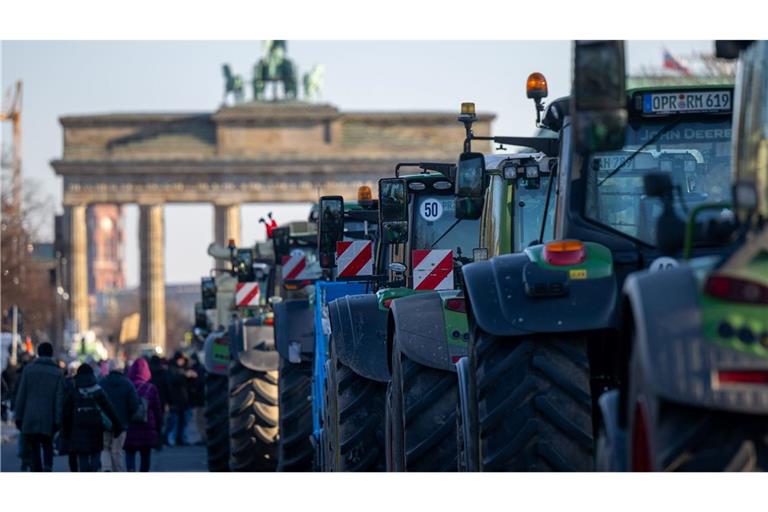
[(226, 224), (78, 259), (152, 286)]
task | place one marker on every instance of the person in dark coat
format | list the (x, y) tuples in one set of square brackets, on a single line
[(143, 435), (69, 387), (87, 414), (180, 379), (197, 398), (122, 394), (38, 408)]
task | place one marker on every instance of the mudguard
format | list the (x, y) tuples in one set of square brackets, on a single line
[(359, 335), (253, 344), (417, 321), (612, 454), (501, 307), (294, 330), (677, 361), (325, 292), (216, 350)]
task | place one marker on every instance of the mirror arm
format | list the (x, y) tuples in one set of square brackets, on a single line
[(550, 147)]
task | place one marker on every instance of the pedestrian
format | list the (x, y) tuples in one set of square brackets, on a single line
[(179, 377), (158, 368), (197, 398), (69, 387), (38, 408), (144, 433), (87, 414), (122, 395)]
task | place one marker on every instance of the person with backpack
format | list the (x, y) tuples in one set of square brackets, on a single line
[(38, 408), (122, 395), (144, 433), (88, 413)]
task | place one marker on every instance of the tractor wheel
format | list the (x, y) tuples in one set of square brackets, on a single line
[(295, 449), (357, 426), (329, 436), (217, 422), (534, 403), (668, 436), (422, 417), (253, 419)]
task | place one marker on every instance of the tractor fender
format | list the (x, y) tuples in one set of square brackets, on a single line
[(253, 344), (359, 335), (295, 330), (216, 350), (417, 321), (615, 456), (677, 361), (501, 306)]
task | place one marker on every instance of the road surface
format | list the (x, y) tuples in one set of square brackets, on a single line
[(176, 459)]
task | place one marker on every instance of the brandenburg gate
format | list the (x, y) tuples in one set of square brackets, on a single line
[(261, 151)]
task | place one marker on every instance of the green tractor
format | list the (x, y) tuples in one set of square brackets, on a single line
[(427, 333), (238, 294), (697, 392), (545, 324), (358, 369)]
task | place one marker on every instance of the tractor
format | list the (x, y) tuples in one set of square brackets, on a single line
[(545, 324), (696, 398), (347, 243), (358, 369), (238, 294)]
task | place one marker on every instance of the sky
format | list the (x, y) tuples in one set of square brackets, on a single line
[(90, 77)]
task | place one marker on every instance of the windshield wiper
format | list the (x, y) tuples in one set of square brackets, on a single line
[(650, 141), (445, 233)]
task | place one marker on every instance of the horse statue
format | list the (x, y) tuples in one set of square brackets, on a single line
[(313, 82), (233, 85), (274, 67)]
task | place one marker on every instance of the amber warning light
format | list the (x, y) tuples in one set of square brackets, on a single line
[(536, 86), (364, 193)]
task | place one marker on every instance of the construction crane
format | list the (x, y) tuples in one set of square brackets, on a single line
[(12, 113)]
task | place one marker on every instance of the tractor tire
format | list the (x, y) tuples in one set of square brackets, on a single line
[(668, 436), (253, 419), (217, 422), (356, 428), (329, 437), (422, 417), (534, 405), (295, 451)]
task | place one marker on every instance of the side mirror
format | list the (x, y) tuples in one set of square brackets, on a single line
[(470, 185), (599, 104), (330, 229), (244, 266), (281, 243), (393, 210), (208, 292)]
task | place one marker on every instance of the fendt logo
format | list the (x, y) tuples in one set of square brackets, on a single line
[(354, 259), (247, 294), (432, 269)]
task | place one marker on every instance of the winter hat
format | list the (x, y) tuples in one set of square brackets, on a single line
[(84, 369)]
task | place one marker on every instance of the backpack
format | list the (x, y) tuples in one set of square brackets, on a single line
[(88, 414), (142, 411)]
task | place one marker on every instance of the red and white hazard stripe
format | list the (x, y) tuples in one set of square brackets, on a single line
[(247, 294), (432, 269), (354, 259), (293, 266)]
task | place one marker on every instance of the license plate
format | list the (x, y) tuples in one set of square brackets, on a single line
[(686, 101)]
